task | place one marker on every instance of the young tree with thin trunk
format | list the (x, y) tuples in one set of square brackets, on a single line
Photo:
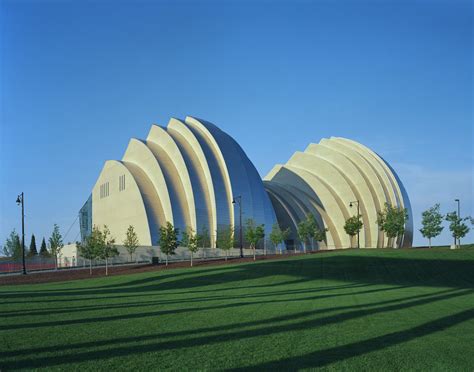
[(457, 226), (105, 247), (56, 244), (392, 221), (225, 239), (303, 234), (253, 234), (33, 251), (276, 236), (312, 226), (168, 240), (431, 219), (89, 248), (353, 226), (12, 247), (131, 242), (189, 239)]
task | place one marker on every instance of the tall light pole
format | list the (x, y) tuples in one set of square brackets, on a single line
[(238, 200), (358, 214), (21, 200), (459, 218)]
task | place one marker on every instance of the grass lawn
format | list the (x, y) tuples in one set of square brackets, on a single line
[(351, 310)]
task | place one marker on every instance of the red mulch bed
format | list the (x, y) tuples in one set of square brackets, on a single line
[(75, 274)]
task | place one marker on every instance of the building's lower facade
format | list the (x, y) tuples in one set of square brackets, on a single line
[(197, 177)]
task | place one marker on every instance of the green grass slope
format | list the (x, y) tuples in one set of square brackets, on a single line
[(351, 310)]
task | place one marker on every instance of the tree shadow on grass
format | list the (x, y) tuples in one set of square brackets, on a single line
[(345, 268), (184, 310), (322, 358), (315, 359)]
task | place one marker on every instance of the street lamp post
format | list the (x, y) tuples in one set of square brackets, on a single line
[(358, 214), (21, 200), (238, 200), (459, 217)]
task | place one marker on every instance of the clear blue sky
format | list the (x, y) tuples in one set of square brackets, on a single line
[(79, 78)]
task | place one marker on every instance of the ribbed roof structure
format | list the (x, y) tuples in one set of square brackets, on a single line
[(326, 179)]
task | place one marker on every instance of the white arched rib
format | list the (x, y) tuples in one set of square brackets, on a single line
[(182, 134), (167, 152), (139, 154), (358, 185), (220, 161)]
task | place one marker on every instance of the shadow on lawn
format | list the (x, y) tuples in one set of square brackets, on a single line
[(267, 327), (346, 268)]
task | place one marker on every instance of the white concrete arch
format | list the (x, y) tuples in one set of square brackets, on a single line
[(326, 173), (119, 209), (359, 186), (393, 197), (311, 183), (212, 143), (176, 174), (139, 154), (368, 173), (185, 137)]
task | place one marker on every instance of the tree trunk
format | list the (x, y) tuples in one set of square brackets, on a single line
[(131, 257), (166, 260), (106, 267), (429, 240), (304, 247), (281, 252), (226, 254), (55, 262), (191, 259), (90, 266), (254, 253)]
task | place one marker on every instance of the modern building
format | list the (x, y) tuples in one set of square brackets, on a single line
[(194, 175)]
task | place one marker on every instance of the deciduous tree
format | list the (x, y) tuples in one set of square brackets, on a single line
[(253, 234), (56, 244), (457, 226), (189, 239), (131, 242), (225, 239), (168, 240), (303, 234), (89, 248), (392, 221), (12, 247), (353, 226), (431, 219), (105, 247)]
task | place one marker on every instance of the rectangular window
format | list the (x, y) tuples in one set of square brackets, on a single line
[(104, 190), (122, 182)]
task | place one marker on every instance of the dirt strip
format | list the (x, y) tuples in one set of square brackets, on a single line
[(76, 274)]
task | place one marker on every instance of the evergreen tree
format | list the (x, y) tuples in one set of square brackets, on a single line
[(43, 250), (33, 251)]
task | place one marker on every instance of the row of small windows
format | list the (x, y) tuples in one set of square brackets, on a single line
[(122, 182), (104, 190)]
